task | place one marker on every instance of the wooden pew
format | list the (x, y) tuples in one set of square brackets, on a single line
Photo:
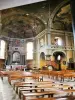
[(68, 75), (44, 85), (59, 74), (41, 88), (8, 73), (68, 97), (33, 85), (16, 84), (49, 93), (33, 82), (31, 90), (56, 98), (70, 91), (51, 98), (44, 98), (23, 75)]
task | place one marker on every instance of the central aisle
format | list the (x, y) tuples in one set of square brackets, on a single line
[(6, 91)]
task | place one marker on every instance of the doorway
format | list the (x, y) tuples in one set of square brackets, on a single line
[(59, 56), (16, 58), (42, 59)]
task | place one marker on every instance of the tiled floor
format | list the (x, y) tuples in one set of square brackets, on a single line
[(7, 92)]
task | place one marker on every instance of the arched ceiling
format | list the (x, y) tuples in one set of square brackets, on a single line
[(21, 25), (63, 19), (23, 22), (29, 20)]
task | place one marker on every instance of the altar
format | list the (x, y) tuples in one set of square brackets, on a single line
[(15, 67)]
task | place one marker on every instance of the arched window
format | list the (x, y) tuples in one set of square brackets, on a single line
[(58, 41), (2, 49), (30, 50)]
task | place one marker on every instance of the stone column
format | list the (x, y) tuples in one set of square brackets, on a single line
[(72, 2), (49, 39), (38, 50), (66, 40), (34, 53), (22, 60), (9, 60), (49, 33), (66, 44), (0, 23), (49, 24), (49, 43), (45, 40)]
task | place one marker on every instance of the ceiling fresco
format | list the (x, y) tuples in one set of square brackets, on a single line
[(29, 20), (63, 19), (22, 26), (23, 22)]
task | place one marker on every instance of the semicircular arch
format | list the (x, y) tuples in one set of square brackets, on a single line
[(56, 10)]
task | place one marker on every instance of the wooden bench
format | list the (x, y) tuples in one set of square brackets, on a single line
[(32, 82), (31, 90), (44, 98), (50, 85), (49, 93), (58, 98), (40, 88), (23, 75), (24, 83), (33, 85), (70, 91), (59, 74), (51, 98)]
